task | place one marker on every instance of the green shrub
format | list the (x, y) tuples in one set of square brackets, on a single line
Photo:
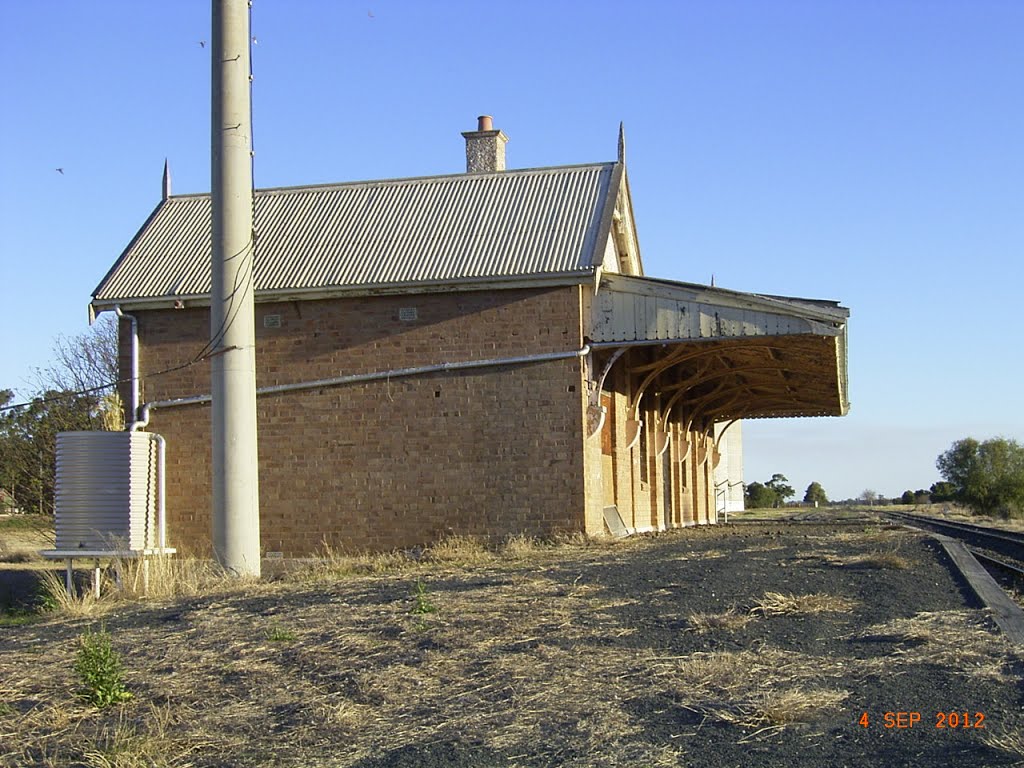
[(98, 667)]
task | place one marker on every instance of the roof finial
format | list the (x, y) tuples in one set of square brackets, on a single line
[(622, 142), (167, 180)]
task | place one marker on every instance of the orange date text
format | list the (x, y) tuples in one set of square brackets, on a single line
[(943, 720)]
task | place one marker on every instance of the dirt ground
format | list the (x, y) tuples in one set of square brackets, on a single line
[(745, 645)]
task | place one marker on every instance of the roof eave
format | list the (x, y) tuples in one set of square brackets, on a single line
[(547, 280)]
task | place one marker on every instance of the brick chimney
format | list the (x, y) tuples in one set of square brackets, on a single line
[(485, 147)]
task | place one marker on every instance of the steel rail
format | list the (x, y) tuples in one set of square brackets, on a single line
[(1014, 568), (1010, 542)]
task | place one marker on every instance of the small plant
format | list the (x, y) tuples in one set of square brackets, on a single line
[(277, 634), (98, 666), (421, 600)]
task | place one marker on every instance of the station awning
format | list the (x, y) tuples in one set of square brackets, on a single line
[(720, 355)]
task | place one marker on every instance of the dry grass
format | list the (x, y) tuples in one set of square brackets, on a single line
[(875, 559), (1009, 741), (57, 598), (18, 555), (960, 641), (138, 742), (709, 554), (521, 656), (165, 577), (522, 547), (156, 578), (779, 604), (347, 667), (728, 621), (22, 536), (331, 563), (459, 550), (766, 689)]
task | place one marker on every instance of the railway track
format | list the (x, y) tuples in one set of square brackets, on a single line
[(1013, 571), (991, 540), (996, 580)]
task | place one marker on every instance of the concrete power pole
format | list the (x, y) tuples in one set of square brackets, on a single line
[(236, 504)]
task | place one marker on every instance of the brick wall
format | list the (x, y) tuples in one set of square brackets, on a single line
[(396, 462)]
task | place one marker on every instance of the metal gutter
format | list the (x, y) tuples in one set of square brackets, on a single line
[(544, 280), (358, 378)]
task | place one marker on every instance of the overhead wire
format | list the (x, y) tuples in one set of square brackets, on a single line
[(245, 272)]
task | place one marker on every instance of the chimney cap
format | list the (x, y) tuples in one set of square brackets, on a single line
[(485, 123)]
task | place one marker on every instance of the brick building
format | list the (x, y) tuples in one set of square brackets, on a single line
[(477, 354)]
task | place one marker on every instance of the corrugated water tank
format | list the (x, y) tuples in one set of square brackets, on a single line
[(106, 491)]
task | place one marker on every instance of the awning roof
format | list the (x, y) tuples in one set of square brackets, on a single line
[(719, 355)]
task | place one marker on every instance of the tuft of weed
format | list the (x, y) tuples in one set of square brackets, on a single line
[(778, 604), (523, 547), (964, 641), (730, 620), (459, 550), (54, 597), (421, 600), (767, 689), (98, 667), (275, 633)]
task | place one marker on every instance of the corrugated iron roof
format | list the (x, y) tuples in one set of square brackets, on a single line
[(436, 229)]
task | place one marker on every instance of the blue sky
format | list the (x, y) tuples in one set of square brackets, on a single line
[(868, 152)]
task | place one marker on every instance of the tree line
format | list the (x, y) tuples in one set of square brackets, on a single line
[(775, 493), (986, 476)]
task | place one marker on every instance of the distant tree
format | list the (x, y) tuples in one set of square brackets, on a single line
[(868, 496), (815, 494), (942, 491), (75, 392), (779, 485), (907, 497), (87, 361), (921, 496), (988, 477), (28, 438), (759, 496)]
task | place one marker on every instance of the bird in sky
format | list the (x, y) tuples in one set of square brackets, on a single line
[(60, 171), (202, 43)]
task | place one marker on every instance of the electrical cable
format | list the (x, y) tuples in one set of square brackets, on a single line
[(210, 349)]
